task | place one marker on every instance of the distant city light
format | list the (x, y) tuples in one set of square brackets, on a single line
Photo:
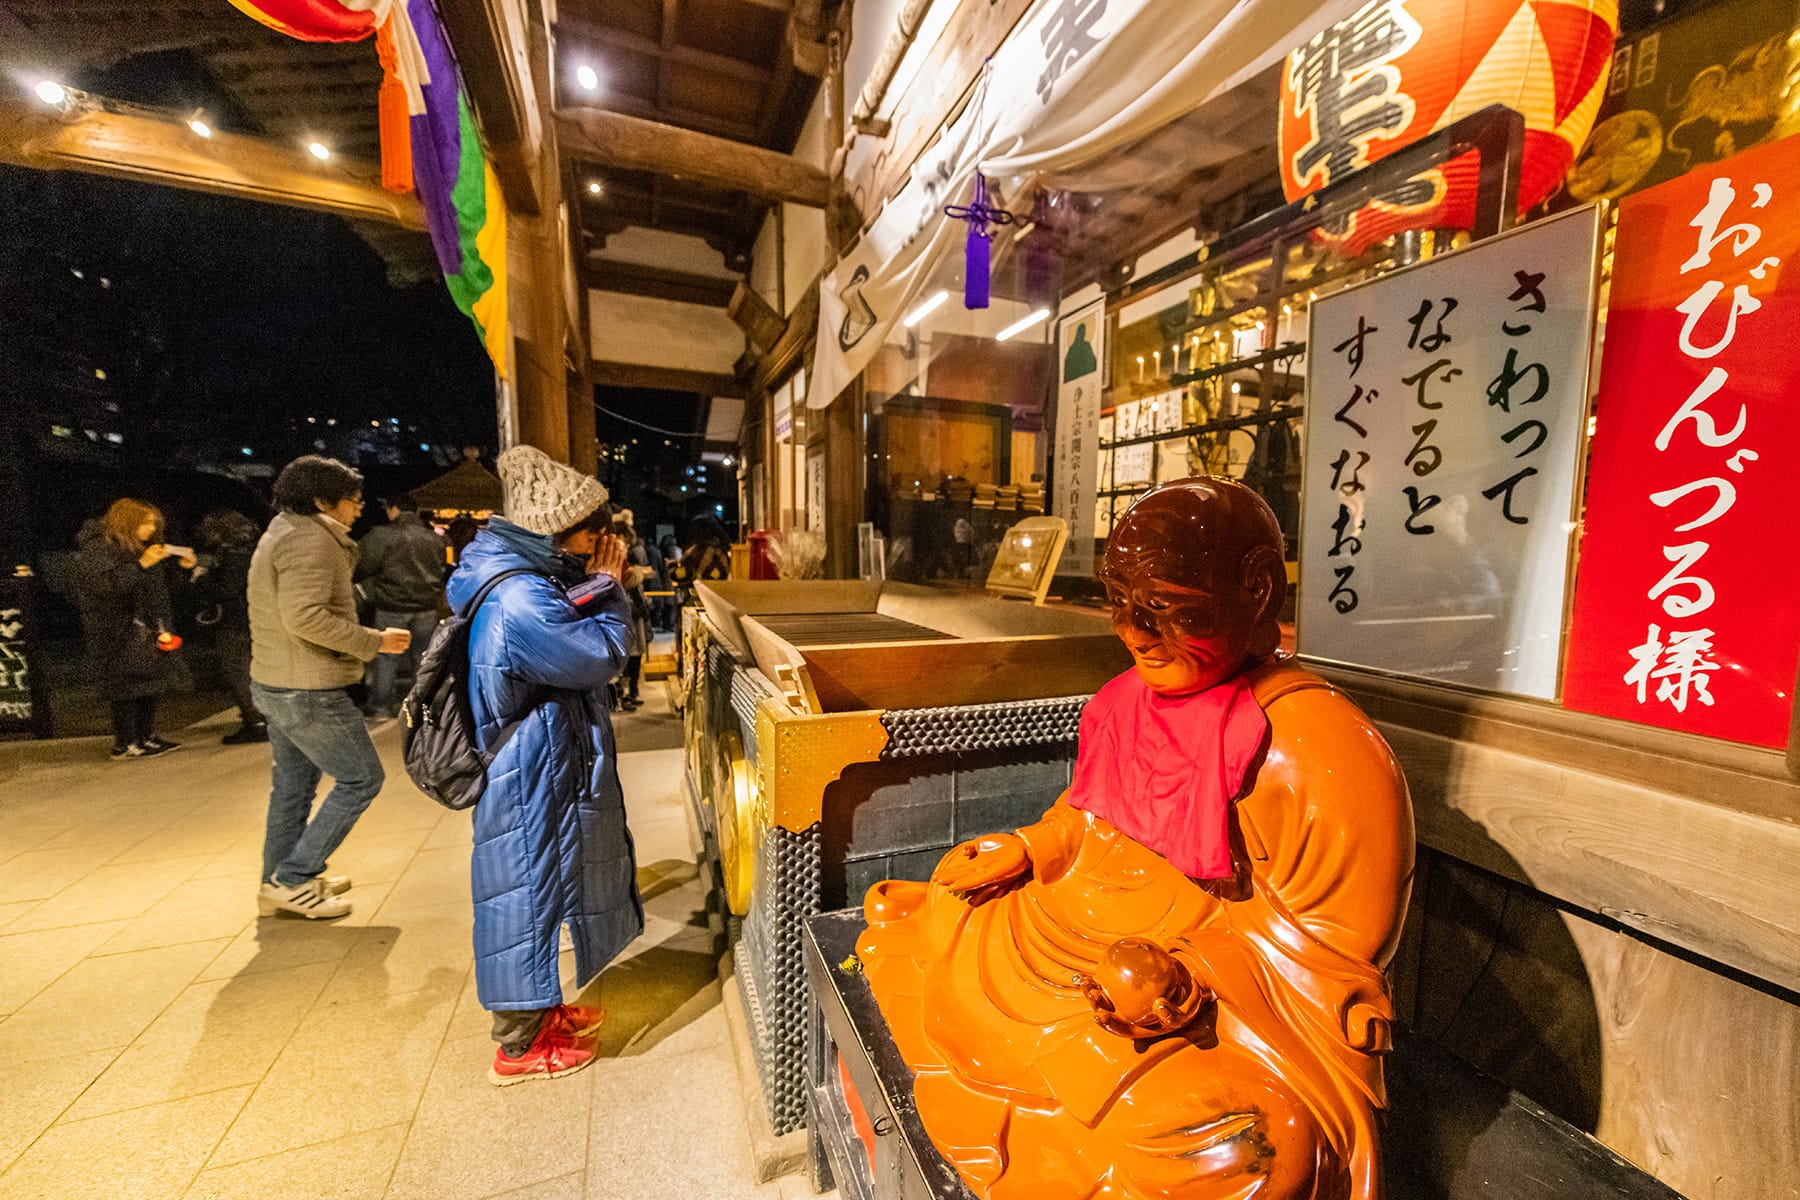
[(52, 93), (248, 451), (425, 446), (77, 273), (684, 487), (200, 127), (720, 509), (318, 150), (588, 78), (331, 420), (105, 282), (117, 439), (99, 373)]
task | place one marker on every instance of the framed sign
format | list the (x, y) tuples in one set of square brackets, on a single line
[(1685, 615), (1081, 352), (815, 490), (1446, 407)]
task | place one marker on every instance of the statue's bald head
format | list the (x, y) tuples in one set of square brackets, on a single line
[(1214, 538)]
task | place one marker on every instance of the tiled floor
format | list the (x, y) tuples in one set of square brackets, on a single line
[(161, 1042)]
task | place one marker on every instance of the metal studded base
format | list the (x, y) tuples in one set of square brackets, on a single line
[(967, 727), (773, 975)]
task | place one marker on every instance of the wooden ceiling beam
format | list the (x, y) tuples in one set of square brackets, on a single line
[(634, 279), (671, 25), (616, 140), (633, 375), (163, 151), (776, 96), (737, 131), (687, 56)]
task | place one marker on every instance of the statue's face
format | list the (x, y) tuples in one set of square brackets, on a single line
[(1182, 639)]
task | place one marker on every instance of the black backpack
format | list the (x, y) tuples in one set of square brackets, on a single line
[(438, 739)]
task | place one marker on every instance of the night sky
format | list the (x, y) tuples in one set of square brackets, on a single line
[(220, 325)]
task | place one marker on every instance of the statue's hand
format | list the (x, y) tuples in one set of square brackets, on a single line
[(1138, 989), (984, 868)]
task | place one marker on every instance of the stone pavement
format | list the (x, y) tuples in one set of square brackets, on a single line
[(160, 1041)]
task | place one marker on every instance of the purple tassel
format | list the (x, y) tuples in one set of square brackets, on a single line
[(978, 249), (977, 252)]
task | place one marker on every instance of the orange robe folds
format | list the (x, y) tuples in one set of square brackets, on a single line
[(1272, 1091)]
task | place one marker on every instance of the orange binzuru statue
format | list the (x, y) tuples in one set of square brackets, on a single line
[(1171, 985)]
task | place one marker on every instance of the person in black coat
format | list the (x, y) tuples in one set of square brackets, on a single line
[(222, 589), (120, 573)]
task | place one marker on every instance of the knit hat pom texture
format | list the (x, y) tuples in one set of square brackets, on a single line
[(546, 496)]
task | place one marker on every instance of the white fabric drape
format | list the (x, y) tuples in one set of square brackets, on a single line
[(1076, 81)]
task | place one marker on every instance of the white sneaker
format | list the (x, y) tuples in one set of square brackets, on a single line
[(310, 900), (335, 885)]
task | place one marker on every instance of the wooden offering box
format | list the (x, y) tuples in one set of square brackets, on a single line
[(840, 733), (882, 646)]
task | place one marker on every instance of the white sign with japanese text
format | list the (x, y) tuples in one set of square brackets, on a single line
[(1446, 406), (1081, 358)]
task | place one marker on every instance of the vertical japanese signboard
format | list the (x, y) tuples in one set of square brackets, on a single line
[(1081, 355), (1446, 405), (1685, 606), (22, 703)]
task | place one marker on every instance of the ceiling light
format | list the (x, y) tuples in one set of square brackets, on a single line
[(200, 128), (594, 188), (1021, 325), (52, 93), (318, 150), (588, 78), (925, 310)]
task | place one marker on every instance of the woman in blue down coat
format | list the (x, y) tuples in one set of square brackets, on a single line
[(551, 844)]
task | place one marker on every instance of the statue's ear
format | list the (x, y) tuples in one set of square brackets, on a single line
[(1265, 582)]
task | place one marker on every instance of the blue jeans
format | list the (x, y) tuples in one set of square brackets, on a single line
[(391, 675), (313, 733)]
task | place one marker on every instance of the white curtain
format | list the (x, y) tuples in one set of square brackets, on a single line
[(1076, 81)]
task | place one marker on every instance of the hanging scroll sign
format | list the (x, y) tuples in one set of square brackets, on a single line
[(1446, 411)]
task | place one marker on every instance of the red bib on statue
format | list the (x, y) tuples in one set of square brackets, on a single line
[(1164, 770)]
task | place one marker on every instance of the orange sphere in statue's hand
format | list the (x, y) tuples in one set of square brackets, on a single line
[(1135, 973)]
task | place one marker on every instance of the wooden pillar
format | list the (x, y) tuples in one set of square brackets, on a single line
[(846, 451), (583, 438), (537, 259)]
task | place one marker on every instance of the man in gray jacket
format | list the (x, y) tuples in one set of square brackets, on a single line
[(401, 567), (306, 649)]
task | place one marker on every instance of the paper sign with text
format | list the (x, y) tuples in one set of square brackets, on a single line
[(1445, 409), (1081, 359), (1686, 612)]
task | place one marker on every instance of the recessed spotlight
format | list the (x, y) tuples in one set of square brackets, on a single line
[(594, 188), (52, 93), (200, 128), (318, 150), (588, 78)]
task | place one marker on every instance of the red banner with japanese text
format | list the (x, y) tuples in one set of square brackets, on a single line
[(1687, 593)]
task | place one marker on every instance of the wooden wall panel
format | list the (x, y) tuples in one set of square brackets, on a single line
[(1720, 883), (1689, 1073)]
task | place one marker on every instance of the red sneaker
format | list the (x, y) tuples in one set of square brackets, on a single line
[(555, 1052), (577, 1020)]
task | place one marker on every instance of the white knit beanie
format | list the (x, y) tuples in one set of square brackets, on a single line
[(543, 495)]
